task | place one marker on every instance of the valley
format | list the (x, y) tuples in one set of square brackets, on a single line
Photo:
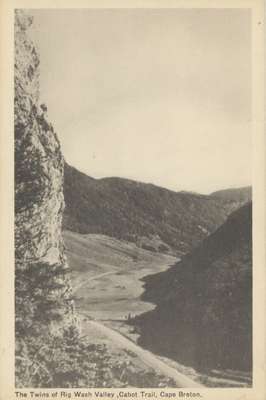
[(107, 283), (108, 277), (107, 273), (124, 239)]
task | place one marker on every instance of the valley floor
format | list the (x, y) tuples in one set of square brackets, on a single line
[(107, 273), (107, 281)]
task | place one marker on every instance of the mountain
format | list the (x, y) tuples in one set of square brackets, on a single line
[(154, 217), (203, 316), (243, 194)]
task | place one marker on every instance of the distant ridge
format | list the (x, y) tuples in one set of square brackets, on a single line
[(242, 194), (151, 216)]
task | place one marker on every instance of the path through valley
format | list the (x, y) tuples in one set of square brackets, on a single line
[(106, 276)]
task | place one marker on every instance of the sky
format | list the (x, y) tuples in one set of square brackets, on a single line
[(155, 95)]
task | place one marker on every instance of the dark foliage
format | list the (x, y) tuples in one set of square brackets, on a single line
[(47, 357), (204, 304), (128, 210)]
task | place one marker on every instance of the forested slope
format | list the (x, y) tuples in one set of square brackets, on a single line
[(203, 316)]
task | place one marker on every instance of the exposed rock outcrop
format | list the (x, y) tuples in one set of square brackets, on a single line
[(43, 291), (39, 162)]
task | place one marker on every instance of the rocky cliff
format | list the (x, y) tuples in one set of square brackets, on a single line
[(44, 307), (39, 162)]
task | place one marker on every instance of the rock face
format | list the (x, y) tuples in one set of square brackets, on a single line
[(39, 171), (38, 162)]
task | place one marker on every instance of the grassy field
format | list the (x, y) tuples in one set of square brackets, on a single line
[(106, 275)]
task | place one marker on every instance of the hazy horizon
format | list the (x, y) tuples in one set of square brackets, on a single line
[(161, 96)]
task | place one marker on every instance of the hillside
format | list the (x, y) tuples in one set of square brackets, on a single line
[(243, 194), (148, 215), (204, 303)]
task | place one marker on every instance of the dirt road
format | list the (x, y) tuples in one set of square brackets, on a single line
[(147, 357), (93, 278)]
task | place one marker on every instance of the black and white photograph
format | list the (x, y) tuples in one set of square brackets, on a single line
[(133, 185)]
